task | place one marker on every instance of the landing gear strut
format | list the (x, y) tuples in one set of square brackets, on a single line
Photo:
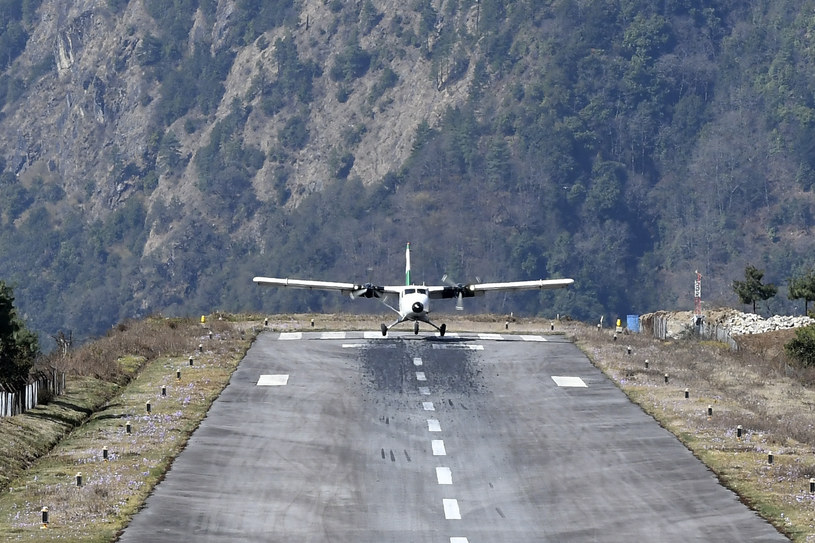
[(416, 328), (384, 330)]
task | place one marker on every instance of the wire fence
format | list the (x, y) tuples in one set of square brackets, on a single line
[(657, 325), (42, 387)]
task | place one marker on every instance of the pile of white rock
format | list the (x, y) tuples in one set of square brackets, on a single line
[(749, 323)]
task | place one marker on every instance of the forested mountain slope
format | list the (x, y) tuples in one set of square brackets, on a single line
[(156, 155)]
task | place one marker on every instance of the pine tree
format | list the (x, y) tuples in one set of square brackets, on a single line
[(18, 346), (802, 286), (751, 289)]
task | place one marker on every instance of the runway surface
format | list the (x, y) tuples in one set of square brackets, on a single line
[(494, 438)]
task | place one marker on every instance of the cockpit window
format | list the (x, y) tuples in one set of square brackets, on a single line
[(422, 291)]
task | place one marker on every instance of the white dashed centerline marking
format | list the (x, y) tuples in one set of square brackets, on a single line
[(444, 476), (417, 361), (433, 425), (438, 447), (273, 380), (353, 345), (459, 540), (491, 337), (372, 335), (332, 335), (424, 391), (420, 376), (428, 406), (533, 338), (290, 335), (451, 510)]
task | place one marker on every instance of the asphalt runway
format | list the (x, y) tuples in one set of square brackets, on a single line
[(352, 437)]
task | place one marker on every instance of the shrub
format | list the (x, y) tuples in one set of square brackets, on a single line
[(802, 347)]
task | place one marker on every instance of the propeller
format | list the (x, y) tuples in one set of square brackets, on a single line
[(458, 290), (367, 290)]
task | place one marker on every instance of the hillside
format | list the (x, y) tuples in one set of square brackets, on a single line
[(155, 156)]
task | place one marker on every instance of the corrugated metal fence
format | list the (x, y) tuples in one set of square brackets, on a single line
[(14, 401)]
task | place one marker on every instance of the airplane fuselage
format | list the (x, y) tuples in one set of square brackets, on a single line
[(414, 303)]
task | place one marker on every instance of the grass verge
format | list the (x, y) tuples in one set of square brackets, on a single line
[(113, 489)]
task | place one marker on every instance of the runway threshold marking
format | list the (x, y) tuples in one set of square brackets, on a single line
[(563, 381), (459, 346), (444, 476), (273, 380), (451, 510), (438, 447)]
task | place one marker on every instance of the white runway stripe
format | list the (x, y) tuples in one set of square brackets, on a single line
[(459, 540), (451, 510), (444, 476), (424, 391), (533, 338), (459, 346), (569, 381), (428, 406), (491, 337), (372, 335), (438, 447), (332, 335), (420, 376), (290, 335), (417, 361), (273, 380), (433, 425)]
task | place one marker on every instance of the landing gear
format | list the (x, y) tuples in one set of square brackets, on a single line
[(384, 330), (416, 327), (442, 329)]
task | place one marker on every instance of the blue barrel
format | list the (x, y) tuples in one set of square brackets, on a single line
[(633, 322)]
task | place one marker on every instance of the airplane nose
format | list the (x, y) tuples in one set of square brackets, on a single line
[(418, 307)]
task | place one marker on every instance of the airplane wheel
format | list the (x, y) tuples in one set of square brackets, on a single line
[(442, 330), (384, 330), (416, 328)]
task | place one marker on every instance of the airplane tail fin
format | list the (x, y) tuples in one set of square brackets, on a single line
[(407, 264)]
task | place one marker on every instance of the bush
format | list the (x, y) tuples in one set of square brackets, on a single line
[(802, 347)]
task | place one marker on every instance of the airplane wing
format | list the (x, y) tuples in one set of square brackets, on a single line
[(478, 289), (521, 285), (352, 289)]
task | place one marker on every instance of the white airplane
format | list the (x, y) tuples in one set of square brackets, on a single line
[(414, 300)]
